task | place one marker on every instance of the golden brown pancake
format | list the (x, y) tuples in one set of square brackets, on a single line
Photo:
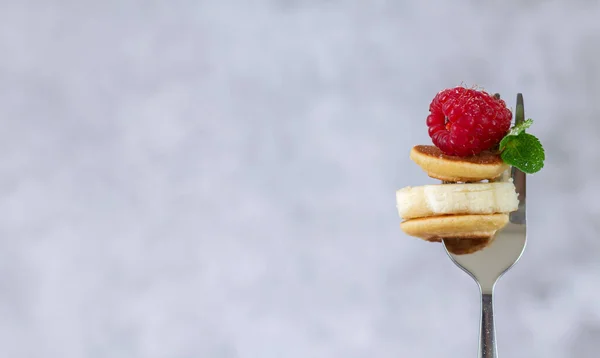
[(484, 166), (462, 227), (467, 246)]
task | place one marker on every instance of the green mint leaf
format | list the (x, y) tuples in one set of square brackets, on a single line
[(515, 131), (523, 151), (520, 128)]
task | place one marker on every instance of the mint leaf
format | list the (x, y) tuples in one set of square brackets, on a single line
[(515, 131), (519, 128), (523, 151)]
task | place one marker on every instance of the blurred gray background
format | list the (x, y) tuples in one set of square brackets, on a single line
[(215, 179)]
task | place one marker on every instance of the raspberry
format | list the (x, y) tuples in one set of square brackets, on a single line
[(465, 122)]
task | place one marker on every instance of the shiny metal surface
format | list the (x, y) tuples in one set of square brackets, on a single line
[(488, 265)]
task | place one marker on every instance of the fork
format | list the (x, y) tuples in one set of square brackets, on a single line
[(488, 265)]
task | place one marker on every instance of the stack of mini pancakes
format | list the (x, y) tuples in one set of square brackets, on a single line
[(467, 209)]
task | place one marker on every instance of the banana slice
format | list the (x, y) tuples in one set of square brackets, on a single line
[(453, 199)]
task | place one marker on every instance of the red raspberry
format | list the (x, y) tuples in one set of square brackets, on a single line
[(465, 122)]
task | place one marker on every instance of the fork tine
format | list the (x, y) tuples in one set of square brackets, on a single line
[(519, 178)]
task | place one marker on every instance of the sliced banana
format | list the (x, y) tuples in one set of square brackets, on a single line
[(454, 199)]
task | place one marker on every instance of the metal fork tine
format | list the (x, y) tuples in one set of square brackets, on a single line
[(519, 178)]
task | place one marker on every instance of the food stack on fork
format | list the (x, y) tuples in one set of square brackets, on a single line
[(473, 149)]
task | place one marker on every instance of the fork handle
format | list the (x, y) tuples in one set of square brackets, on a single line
[(487, 332)]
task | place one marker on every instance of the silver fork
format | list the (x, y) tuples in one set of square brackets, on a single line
[(488, 265)]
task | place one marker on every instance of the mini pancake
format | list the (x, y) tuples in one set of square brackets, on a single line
[(463, 227), (484, 166), (463, 246)]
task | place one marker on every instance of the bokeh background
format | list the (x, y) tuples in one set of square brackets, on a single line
[(215, 179)]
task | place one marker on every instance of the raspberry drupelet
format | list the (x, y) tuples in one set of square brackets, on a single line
[(464, 122)]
